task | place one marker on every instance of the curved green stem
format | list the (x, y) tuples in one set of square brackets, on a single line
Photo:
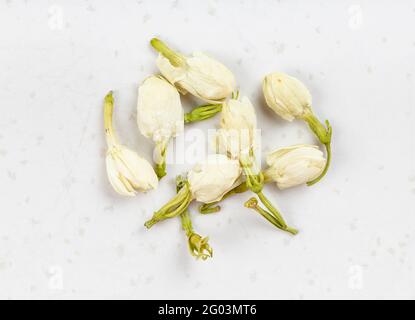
[(202, 112), (324, 135), (175, 59), (326, 168)]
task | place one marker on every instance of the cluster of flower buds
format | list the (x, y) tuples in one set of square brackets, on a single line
[(233, 168)]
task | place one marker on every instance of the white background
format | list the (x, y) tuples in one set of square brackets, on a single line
[(64, 233)]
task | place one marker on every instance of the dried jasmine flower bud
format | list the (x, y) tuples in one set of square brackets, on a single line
[(295, 165), (159, 116), (127, 171), (199, 74)]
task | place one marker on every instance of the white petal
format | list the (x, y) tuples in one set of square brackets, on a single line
[(286, 95), (159, 111), (295, 165), (203, 77), (238, 125), (114, 178), (210, 180)]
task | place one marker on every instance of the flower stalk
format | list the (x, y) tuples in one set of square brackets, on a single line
[(109, 129), (324, 134), (253, 204)]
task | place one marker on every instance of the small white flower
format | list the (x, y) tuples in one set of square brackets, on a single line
[(126, 170), (200, 75), (295, 165), (236, 136), (210, 180), (159, 115), (286, 95)]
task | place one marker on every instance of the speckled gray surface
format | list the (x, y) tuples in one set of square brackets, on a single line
[(65, 234)]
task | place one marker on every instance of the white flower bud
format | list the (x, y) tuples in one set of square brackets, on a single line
[(295, 165), (236, 136), (199, 75), (210, 180), (286, 95), (159, 110), (128, 172), (160, 115)]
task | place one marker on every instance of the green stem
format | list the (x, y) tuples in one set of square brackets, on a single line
[(272, 209), (326, 168), (175, 59), (324, 135), (108, 111), (202, 112), (322, 132), (253, 204), (256, 183), (186, 223)]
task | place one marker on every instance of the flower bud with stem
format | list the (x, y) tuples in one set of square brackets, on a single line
[(290, 99), (159, 116), (126, 170), (198, 74)]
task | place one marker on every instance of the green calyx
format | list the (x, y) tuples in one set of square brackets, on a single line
[(199, 247), (160, 168), (176, 59), (254, 182), (202, 112), (174, 207), (324, 134)]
